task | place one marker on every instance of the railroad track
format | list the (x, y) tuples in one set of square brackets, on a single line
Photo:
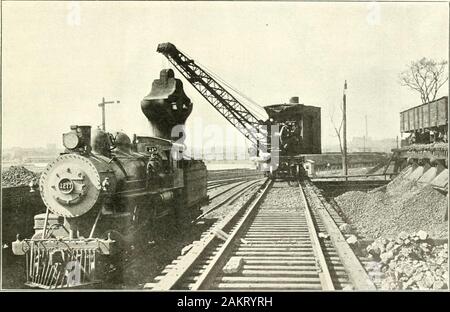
[(213, 184), (224, 199), (227, 188), (371, 266), (269, 245), (229, 196)]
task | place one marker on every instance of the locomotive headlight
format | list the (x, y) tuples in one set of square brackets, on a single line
[(70, 140)]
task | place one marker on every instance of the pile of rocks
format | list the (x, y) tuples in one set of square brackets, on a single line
[(411, 261), (400, 206), (18, 176)]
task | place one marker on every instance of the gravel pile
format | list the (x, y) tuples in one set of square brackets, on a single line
[(399, 206), (411, 262), (18, 176)]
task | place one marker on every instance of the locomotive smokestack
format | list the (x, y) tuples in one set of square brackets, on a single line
[(167, 105)]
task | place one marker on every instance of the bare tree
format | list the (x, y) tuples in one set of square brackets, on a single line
[(425, 76), (338, 129)]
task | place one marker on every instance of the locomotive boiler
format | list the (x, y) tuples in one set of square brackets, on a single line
[(106, 191)]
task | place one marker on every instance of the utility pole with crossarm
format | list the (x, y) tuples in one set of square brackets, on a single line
[(102, 105)]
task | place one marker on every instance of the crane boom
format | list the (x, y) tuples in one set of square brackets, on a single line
[(222, 100)]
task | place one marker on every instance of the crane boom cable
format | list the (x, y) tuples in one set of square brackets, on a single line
[(240, 116), (211, 73), (253, 105), (239, 124), (253, 110)]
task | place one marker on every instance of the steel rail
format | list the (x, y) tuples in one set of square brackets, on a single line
[(355, 270), (230, 198), (279, 248), (186, 263), (207, 276), (324, 273), (219, 183), (227, 190), (212, 182)]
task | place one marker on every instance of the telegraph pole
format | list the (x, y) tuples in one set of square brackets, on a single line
[(344, 124), (102, 105)]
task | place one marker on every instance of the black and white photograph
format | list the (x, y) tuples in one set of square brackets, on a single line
[(224, 146)]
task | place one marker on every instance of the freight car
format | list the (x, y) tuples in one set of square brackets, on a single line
[(426, 123), (426, 127), (107, 191)]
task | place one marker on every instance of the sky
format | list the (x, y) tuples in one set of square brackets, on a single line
[(60, 58)]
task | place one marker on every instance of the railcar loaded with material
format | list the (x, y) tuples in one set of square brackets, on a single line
[(107, 192), (426, 130), (279, 140)]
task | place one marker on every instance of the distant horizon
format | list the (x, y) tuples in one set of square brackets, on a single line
[(60, 58), (61, 147)]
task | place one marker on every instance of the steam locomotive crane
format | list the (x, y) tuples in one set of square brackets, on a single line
[(222, 100)]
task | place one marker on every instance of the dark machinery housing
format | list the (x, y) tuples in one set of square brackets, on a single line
[(299, 134), (106, 191)]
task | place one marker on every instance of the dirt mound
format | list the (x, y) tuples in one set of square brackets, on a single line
[(18, 176), (400, 206)]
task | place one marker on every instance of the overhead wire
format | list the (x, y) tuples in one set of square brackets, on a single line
[(252, 105)]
